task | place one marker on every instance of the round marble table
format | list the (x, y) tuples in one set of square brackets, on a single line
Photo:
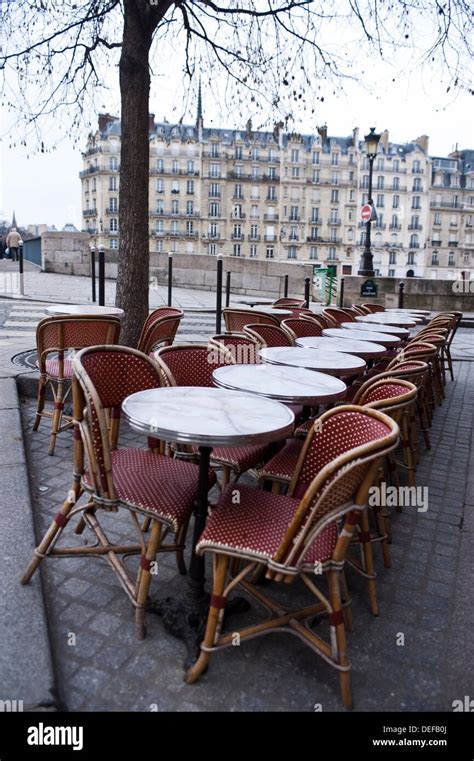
[(291, 385), (388, 318), (390, 329), (281, 314), (89, 310), (330, 362), (205, 417), (385, 339), (364, 349)]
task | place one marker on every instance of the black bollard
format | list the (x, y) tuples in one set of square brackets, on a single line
[(401, 295), (307, 284), (170, 279), (227, 288), (94, 297), (101, 276), (341, 293), (219, 294), (285, 287), (20, 266)]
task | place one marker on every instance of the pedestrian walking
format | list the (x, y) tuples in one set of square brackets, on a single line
[(13, 243)]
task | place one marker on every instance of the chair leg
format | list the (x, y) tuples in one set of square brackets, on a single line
[(450, 362), (56, 528), (145, 577), (40, 402), (346, 599), (57, 415), (180, 537), (220, 573), (408, 451), (336, 620), (380, 521), (366, 544)]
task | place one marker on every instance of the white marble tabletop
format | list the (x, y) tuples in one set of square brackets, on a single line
[(404, 310), (391, 329), (331, 362), (280, 313), (292, 385), (386, 339), (207, 416), (92, 310), (364, 349), (391, 318)]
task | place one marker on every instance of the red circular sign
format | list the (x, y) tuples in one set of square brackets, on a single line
[(366, 212)]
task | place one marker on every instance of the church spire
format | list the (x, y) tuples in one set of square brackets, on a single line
[(14, 224), (199, 106)]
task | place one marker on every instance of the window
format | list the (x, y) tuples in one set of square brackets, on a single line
[(113, 205), (295, 155), (159, 226), (236, 251), (269, 252), (238, 170), (254, 212), (189, 208), (293, 232), (237, 232), (380, 182), (332, 253), (455, 201), (396, 202), (333, 234), (160, 165), (175, 166), (272, 173), (394, 222), (396, 183), (313, 252), (215, 170), (334, 196), (214, 210), (174, 186), (314, 214), (255, 172), (213, 230), (315, 157), (391, 273), (380, 164), (113, 165), (238, 152), (253, 231), (271, 154), (190, 187), (414, 241), (396, 165), (437, 218), (295, 172), (189, 228), (333, 218), (434, 258), (160, 206), (253, 251), (212, 249), (315, 175), (392, 257), (159, 246), (113, 226), (255, 192), (416, 167), (113, 243), (255, 154), (175, 207), (451, 259), (214, 150), (415, 222), (294, 213), (314, 233), (113, 183), (365, 181), (292, 252), (238, 191), (415, 202), (214, 190), (417, 185), (334, 159), (271, 193), (380, 200), (237, 213), (411, 258), (190, 167)]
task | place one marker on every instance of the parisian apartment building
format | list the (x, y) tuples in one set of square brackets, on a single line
[(290, 197)]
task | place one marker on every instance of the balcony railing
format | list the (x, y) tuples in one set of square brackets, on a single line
[(270, 238), (254, 238), (89, 213), (238, 216), (271, 217), (445, 204), (91, 170), (380, 226), (237, 236), (395, 227), (176, 173), (415, 227), (332, 221)]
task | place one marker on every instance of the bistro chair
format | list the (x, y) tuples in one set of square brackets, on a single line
[(193, 365), (291, 536), (374, 308), (236, 319), (300, 328), (269, 335), (351, 313), (361, 311), (295, 311), (159, 314), (243, 348), (336, 314), (161, 332), (56, 338), (325, 320), (161, 489)]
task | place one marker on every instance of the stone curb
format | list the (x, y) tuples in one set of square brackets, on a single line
[(26, 666)]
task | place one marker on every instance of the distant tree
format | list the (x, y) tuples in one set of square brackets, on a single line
[(273, 51)]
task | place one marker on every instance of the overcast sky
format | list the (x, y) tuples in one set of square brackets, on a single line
[(45, 188)]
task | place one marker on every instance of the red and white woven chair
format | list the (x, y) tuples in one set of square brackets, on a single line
[(236, 319), (303, 535), (161, 332), (269, 335), (324, 320), (338, 315), (158, 314), (57, 339), (372, 308), (243, 348), (298, 328), (142, 482), (289, 302), (193, 365)]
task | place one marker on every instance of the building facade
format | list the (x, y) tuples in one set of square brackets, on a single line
[(282, 196)]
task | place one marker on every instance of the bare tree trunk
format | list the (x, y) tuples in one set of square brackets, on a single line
[(133, 265)]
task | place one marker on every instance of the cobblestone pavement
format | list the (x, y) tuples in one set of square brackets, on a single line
[(426, 596)]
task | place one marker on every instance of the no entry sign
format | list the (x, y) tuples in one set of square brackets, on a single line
[(366, 212)]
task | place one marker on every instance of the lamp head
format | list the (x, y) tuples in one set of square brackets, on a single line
[(371, 142)]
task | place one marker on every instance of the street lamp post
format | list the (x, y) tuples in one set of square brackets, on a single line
[(367, 261)]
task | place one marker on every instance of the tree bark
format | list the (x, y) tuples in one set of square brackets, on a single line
[(134, 255)]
